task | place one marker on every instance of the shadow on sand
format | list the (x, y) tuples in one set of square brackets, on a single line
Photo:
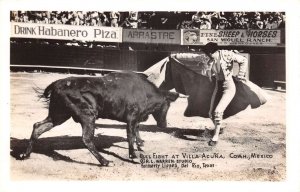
[(48, 146), (174, 131)]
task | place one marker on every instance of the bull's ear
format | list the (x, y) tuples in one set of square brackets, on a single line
[(172, 96)]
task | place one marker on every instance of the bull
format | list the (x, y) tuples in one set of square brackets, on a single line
[(123, 96)]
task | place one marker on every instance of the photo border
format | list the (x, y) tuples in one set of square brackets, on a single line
[(292, 183)]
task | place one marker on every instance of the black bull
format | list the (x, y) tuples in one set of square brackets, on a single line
[(126, 97)]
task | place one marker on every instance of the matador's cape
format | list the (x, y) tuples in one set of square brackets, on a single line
[(171, 73)]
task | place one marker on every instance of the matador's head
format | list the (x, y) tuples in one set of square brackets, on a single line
[(210, 48)]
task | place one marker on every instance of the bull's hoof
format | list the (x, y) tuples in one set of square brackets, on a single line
[(140, 143), (212, 143), (132, 156), (23, 156), (109, 164), (105, 163), (139, 148), (222, 130)]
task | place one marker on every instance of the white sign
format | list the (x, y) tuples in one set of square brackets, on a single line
[(66, 32), (240, 37)]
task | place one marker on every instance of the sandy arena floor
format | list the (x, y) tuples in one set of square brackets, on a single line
[(60, 154)]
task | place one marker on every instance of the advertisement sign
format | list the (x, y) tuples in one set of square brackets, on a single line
[(151, 36), (240, 37), (66, 32), (232, 37)]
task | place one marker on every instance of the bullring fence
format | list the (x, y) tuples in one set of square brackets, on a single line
[(50, 47)]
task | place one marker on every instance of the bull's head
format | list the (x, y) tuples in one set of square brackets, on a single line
[(160, 115)]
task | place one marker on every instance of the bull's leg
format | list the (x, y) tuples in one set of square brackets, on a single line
[(139, 140), (88, 129), (85, 114), (131, 128), (38, 129)]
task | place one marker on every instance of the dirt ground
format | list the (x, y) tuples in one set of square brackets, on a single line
[(252, 147)]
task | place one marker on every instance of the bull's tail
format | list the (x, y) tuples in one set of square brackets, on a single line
[(44, 94), (38, 91), (48, 90)]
